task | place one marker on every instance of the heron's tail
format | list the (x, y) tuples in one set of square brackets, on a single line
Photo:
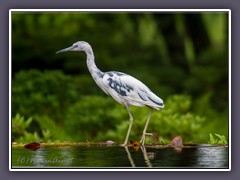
[(157, 102)]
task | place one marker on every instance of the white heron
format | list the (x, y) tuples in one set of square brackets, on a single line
[(124, 88)]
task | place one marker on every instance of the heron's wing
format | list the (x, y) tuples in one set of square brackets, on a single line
[(127, 89)]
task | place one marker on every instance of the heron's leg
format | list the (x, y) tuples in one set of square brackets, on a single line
[(142, 141), (130, 125)]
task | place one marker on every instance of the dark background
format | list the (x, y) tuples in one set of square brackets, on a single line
[(181, 56)]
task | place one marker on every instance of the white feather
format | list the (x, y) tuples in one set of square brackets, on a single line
[(140, 95)]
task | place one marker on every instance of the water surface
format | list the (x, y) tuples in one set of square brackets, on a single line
[(120, 157)]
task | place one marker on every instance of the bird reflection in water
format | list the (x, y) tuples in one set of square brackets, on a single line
[(146, 155)]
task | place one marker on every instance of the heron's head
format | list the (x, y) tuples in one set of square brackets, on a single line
[(78, 46)]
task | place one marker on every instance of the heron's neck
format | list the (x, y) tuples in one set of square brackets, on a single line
[(93, 69)]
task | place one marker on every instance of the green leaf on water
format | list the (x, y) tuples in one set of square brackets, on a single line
[(212, 141), (221, 139)]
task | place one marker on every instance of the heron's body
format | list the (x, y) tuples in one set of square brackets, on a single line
[(124, 88)]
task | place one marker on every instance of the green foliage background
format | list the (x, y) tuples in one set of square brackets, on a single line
[(182, 57)]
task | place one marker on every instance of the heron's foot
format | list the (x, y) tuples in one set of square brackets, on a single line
[(142, 141), (124, 144)]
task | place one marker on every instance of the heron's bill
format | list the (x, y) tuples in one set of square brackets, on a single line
[(66, 49)]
